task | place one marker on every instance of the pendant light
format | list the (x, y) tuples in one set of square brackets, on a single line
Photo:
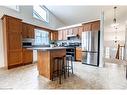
[(115, 25)]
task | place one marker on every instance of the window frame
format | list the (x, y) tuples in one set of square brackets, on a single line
[(41, 36), (41, 18)]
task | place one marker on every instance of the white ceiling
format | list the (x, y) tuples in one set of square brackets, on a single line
[(70, 15)]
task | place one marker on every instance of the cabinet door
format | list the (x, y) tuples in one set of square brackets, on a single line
[(78, 54), (96, 26), (80, 32), (64, 34), (87, 27), (24, 30), (14, 42), (70, 31), (27, 31), (60, 35), (27, 56), (30, 31), (54, 36), (14, 25), (75, 30)]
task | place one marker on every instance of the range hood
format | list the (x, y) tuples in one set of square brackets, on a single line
[(71, 36)]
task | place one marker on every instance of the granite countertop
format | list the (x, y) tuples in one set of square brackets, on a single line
[(47, 48)]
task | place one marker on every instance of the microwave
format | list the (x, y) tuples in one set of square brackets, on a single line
[(27, 42)]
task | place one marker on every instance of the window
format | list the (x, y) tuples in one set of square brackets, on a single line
[(40, 12), (16, 8), (107, 52), (41, 37)]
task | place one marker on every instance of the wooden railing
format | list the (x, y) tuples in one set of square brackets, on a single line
[(118, 51)]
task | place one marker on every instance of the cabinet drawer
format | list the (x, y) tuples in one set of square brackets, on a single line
[(78, 54), (27, 56)]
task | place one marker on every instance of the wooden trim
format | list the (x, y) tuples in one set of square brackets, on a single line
[(90, 22), (27, 63), (14, 66), (18, 65)]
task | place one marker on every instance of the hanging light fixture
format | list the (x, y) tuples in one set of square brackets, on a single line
[(115, 25)]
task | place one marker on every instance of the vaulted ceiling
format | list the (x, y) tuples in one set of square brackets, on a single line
[(70, 15)]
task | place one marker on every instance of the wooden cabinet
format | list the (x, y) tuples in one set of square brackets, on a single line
[(87, 26), (27, 56), (64, 32), (75, 30), (78, 54), (80, 30), (91, 26), (70, 31), (60, 35), (12, 29), (54, 35), (27, 31), (95, 25)]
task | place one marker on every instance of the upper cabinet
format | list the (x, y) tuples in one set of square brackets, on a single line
[(27, 30), (80, 30), (91, 26), (87, 27), (75, 30), (54, 35), (60, 35), (64, 32), (95, 25), (70, 31)]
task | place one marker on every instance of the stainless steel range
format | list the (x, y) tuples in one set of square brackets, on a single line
[(71, 50)]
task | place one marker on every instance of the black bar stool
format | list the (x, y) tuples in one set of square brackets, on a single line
[(68, 66), (58, 68)]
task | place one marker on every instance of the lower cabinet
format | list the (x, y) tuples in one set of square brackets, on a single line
[(27, 56), (78, 54)]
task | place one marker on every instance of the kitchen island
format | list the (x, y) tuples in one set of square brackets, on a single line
[(45, 57)]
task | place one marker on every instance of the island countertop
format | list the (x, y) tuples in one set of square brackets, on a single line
[(47, 48)]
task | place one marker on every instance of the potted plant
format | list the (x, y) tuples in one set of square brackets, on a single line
[(52, 43)]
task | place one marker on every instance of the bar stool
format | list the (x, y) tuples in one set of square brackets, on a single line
[(68, 66), (58, 68)]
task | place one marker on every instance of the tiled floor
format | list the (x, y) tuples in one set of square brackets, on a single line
[(85, 77)]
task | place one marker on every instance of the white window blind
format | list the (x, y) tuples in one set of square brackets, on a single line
[(41, 37)]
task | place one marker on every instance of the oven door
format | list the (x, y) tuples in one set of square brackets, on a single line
[(27, 44)]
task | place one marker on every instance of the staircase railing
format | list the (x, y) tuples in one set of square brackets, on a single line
[(118, 51)]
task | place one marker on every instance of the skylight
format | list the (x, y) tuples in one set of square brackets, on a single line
[(40, 13)]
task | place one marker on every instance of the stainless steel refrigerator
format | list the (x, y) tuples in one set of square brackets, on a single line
[(90, 47)]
